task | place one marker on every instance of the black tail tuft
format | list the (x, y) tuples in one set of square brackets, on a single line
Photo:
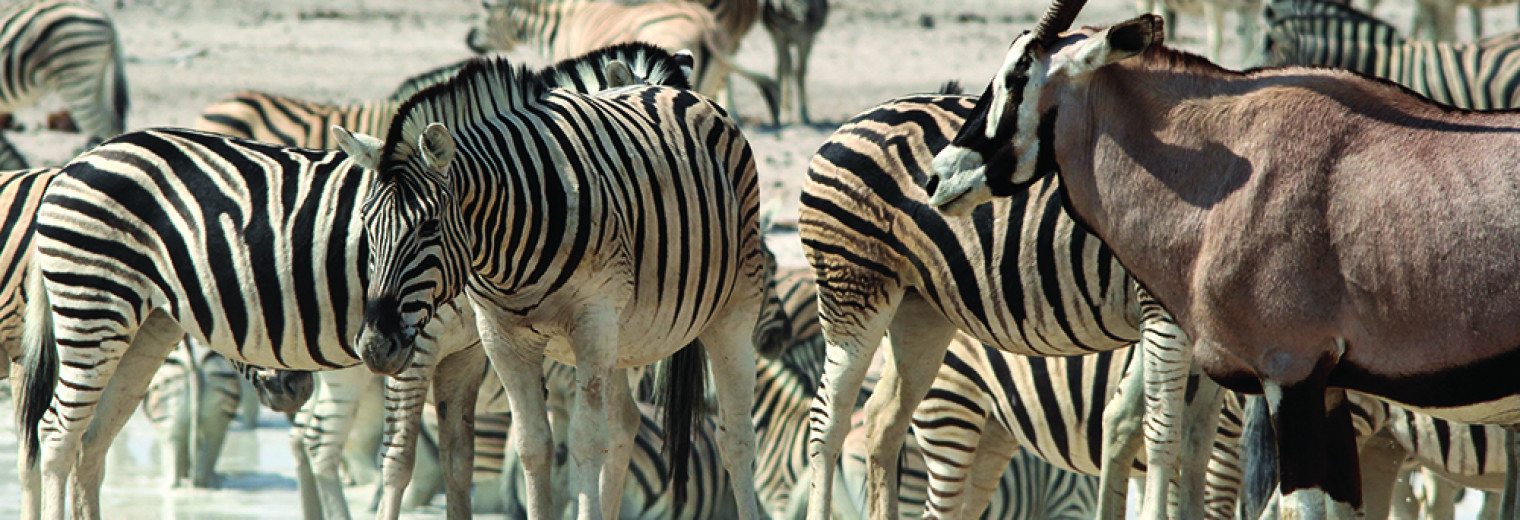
[(685, 397), (1258, 443), (39, 362), (951, 88)]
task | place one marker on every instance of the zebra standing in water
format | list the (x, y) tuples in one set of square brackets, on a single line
[(1020, 275), (1474, 75), (69, 47), (562, 28), (569, 204), (191, 402)]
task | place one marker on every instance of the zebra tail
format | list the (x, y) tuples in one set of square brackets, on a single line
[(1258, 457), (117, 88), (685, 397), (39, 362)]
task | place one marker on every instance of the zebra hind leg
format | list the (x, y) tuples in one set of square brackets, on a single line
[(729, 343), (322, 427), (993, 454), (919, 337), (155, 339), (850, 341), (1168, 359), (405, 396), (1200, 428), (1123, 419)]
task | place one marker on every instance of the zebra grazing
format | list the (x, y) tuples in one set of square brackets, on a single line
[(636, 233), (191, 402), (287, 121), (68, 47), (562, 28), (20, 193), (1473, 75), (1019, 275)]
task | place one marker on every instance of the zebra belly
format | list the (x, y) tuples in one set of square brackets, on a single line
[(1504, 410)]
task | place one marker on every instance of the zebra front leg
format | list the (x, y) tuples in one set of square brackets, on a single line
[(594, 340), (850, 343), (783, 69), (519, 363), (455, 389), (1123, 419), (154, 340), (959, 427), (306, 479), (730, 347), (1168, 359), (799, 75), (919, 337), (623, 425), (1382, 459), (993, 454), (1200, 429), (405, 395), (323, 425)]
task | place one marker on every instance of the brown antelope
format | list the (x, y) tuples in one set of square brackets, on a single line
[(1312, 230)]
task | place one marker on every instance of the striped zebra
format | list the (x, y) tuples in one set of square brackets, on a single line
[(794, 24), (287, 121), (608, 272), (986, 404), (68, 47), (191, 402), (1464, 75), (20, 194), (1020, 275), (562, 28)]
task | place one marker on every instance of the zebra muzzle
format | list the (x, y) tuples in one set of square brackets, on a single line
[(387, 354)]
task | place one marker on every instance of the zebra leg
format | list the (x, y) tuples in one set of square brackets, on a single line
[(957, 426), (623, 425), (729, 342), (850, 343), (519, 364), (306, 479), (919, 333), (28, 477), (10, 158), (594, 340), (1214, 13), (154, 340), (323, 425), (455, 389), (1201, 428), (1123, 418), (1438, 497), (405, 395), (799, 75), (1343, 484), (1511, 502), (1168, 358), (1382, 460), (783, 69), (993, 453), (1490, 509)]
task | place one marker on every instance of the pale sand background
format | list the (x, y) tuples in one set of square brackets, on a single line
[(184, 55)]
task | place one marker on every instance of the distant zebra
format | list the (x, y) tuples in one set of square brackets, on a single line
[(69, 47), (794, 24), (288, 121), (622, 225), (1474, 75), (1020, 275), (563, 28), (1436, 20), (191, 402)]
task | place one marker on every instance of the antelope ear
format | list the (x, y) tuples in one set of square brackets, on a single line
[(364, 149), (1110, 45), (618, 74), (437, 147)]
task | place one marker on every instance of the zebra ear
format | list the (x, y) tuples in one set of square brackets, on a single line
[(686, 61), (437, 147), (364, 149), (618, 74)]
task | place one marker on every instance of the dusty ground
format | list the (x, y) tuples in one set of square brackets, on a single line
[(184, 55)]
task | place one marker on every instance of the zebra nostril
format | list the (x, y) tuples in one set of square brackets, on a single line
[(932, 185)]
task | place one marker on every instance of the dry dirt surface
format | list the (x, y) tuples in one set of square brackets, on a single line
[(184, 55)]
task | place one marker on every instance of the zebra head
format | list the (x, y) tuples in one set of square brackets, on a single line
[(1008, 137), (408, 215)]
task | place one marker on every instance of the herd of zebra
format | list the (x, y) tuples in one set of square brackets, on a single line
[(465, 240)]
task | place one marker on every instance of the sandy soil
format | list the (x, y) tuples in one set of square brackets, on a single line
[(186, 54)]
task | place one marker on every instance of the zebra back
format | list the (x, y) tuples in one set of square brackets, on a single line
[(1473, 75), (68, 47), (288, 121), (20, 194)]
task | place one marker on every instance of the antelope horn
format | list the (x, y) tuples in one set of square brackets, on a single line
[(1059, 18)]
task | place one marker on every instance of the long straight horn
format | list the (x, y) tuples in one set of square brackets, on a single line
[(1059, 18)]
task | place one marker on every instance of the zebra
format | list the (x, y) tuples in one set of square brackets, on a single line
[(562, 28), (191, 402), (69, 47), (529, 298), (1019, 275), (986, 403), (794, 24), (287, 121), (1464, 75), (20, 193)]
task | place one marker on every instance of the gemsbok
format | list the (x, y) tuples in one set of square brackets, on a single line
[(1312, 230)]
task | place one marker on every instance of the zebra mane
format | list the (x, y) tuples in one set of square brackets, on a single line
[(587, 73)]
